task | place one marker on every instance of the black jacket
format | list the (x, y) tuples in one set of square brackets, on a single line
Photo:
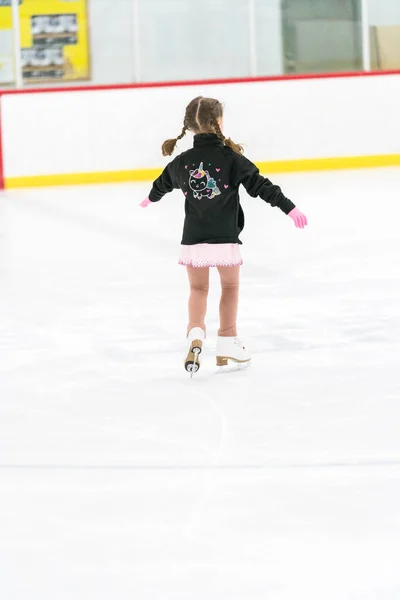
[(209, 175)]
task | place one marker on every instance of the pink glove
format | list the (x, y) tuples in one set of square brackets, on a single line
[(145, 203), (299, 219)]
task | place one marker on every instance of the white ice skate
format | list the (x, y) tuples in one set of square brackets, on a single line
[(231, 349), (195, 339)]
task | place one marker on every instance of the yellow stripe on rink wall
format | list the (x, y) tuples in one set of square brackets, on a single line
[(329, 164), (82, 178), (280, 166)]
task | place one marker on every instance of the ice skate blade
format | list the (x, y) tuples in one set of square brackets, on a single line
[(192, 369)]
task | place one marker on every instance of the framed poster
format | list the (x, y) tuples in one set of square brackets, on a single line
[(54, 40)]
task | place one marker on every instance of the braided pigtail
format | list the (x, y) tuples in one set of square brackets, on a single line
[(169, 145), (235, 147), (227, 141)]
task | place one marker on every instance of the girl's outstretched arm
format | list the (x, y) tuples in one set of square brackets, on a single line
[(165, 183), (248, 175)]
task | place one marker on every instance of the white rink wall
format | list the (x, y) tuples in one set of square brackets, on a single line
[(69, 132)]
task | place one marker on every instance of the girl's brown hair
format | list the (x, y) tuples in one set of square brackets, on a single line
[(202, 116)]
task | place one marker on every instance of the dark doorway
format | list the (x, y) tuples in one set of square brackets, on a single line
[(321, 35)]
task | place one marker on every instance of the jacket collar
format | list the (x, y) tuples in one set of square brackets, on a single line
[(206, 139)]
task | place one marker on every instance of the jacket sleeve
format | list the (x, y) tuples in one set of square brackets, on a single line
[(247, 174), (167, 181)]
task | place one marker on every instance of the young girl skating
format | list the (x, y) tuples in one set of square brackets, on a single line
[(209, 176)]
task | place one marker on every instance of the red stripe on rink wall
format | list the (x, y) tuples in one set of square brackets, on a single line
[(161, 84)]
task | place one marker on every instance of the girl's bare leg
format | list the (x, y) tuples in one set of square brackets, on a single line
[(228, 308), (199, 284)]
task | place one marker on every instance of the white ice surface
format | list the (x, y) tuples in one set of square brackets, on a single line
[(122, 479)]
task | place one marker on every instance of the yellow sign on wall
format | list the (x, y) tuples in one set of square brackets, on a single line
[(54, 39)]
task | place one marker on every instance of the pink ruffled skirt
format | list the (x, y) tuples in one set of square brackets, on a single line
[(211, 255)]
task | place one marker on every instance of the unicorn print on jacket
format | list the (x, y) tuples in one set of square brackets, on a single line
[(202, 185)]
